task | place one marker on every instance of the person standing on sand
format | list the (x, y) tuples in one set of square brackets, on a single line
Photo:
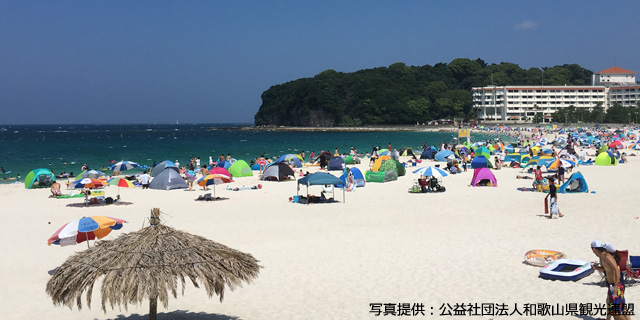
[(389, 147), (553, 200), (613, 275), (144, 180)]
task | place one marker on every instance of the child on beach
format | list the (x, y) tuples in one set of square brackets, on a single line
[(553, 200)]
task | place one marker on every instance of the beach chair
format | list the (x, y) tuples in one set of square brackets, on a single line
[(622, 264), (633, 268)]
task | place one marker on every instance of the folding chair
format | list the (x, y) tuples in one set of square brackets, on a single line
[(633, 268)]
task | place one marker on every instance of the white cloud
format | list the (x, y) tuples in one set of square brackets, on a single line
[(526, 25)]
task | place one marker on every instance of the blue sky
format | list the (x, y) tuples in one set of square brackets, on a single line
[(209, 61)]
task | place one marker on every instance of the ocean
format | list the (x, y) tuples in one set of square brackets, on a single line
[(65, 148)]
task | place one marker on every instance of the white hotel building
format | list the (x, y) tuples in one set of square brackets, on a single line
[(610, 86)]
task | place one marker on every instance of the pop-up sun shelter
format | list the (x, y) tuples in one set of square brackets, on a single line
[(429, 153), (604, 159), (39, 178), (443, 155), (240, 168), (575, 184), (293, 160), (481, 174), (277, 171), (479, 162), (336, 163), (357, 176), (168, 179), (320, 179)]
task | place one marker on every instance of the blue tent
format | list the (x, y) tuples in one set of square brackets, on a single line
[(321, 179), (291, 159), (429, 153), (442, 155), (479, 162), (357, 175), (575, 184), (224, 164), (163, 165), (336, 163)]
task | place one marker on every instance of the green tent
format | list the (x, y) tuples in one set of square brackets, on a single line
[(39, 178), (483, 151), (604, 149), (240, 168), (603, 159), (349, 160), (393, 165)]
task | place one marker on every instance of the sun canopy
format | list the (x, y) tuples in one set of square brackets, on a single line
[(320, 178)]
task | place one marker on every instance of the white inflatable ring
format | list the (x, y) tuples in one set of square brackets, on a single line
[(327, 188)]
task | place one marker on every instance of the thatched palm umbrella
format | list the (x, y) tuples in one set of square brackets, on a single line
[(148, 265)]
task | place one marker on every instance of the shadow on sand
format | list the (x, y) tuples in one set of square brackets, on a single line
[(82, 205), (178, 315)]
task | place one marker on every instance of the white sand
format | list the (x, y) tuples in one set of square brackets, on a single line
[(330, 261)]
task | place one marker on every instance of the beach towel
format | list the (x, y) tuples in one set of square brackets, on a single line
[(546, 206)]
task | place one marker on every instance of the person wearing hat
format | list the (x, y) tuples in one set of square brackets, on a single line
[(613, 276)]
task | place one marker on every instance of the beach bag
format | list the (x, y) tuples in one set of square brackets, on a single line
[(108, 200), (554, 208)]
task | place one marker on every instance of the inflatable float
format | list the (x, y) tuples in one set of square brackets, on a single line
[(566, 270), (541, 258)]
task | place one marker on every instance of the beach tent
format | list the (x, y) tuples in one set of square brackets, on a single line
[(378, 163), (168, 179), (539, 161), (349, 160), (519, 157), (575, 184), (603, 159), (240, 168), (39, 178), (224, 164), (336, 163), (481, 174), (255, 166), (483, 151), (371, 176), (292, 159), (443, 154), (407, 152), (480, 162), (393, 165), (277, 171), (163, 165), (429, 153), (322, 179), (357, 176)]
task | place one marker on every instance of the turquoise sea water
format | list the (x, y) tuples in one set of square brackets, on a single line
[(24, 148)]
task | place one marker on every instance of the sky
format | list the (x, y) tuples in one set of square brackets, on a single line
[(117, 61)]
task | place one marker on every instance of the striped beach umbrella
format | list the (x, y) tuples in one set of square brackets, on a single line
[(86, 183), (94, 174), (431, 172), (120, 183), (83, 229), (555, 164), (213, 179), (124, 165)]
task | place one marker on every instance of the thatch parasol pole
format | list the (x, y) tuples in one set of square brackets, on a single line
[(154, 220), (153, 308)]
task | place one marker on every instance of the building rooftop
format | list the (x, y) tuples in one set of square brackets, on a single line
[(616, 70)]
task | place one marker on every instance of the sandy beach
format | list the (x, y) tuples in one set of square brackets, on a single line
[(331, 261)]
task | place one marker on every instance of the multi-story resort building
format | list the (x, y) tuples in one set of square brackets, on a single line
[(608, 87)]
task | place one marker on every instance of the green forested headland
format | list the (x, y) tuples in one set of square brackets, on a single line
[(399, 94)]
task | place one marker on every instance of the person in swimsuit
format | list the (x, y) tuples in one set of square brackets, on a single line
[(615, 285), (262, 162), (55, 189)]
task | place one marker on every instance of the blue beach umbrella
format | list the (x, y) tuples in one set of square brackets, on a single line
[(124, 165), (431, 172), (94, 174)]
